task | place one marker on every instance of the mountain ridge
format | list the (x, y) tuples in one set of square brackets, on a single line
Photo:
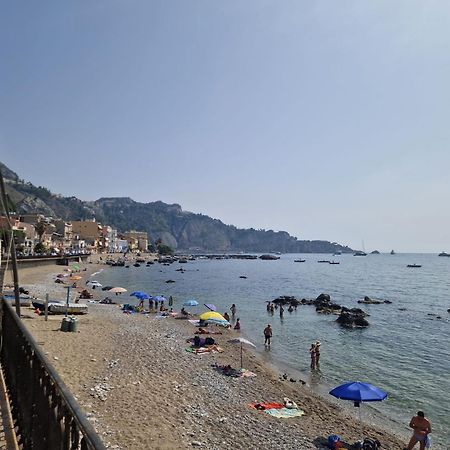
[(182, 230)]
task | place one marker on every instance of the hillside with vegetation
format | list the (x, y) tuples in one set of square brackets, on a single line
[(179, 229)]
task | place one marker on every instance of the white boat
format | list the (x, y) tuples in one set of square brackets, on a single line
[(60, 307), (25, 300)]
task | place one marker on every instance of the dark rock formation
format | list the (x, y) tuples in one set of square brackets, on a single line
[(352, 318), (285, 300)]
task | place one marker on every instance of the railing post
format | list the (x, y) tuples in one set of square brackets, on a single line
[(45, 413)]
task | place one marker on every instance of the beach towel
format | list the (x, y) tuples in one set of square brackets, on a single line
[(201, 350), (285, 413), (247, 373), (261, 406), (194, 322)]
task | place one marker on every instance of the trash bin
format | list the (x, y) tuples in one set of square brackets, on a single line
[(73, 324), (65, 324)]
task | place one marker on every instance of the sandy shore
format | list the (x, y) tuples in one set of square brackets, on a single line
[(141, 389)]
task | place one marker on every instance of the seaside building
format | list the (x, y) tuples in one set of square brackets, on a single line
[(137, 240), (63, 235), (109, 237), (121, 245), (88, 231)]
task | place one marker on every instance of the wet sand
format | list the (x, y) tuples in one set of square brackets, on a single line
[(141, 389)]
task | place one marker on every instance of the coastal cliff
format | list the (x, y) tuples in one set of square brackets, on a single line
[(177, 228)]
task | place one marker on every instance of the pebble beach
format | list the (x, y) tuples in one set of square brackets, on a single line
[(141, 389)]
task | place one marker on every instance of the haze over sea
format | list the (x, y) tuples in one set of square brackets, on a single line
[(404, 351)]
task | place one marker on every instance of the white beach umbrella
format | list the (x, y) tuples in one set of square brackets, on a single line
[(118, 290), (240, 340), (94, 283)]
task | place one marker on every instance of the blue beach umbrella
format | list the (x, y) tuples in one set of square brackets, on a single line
[(190, 303), (160, 298), (358, 392), (137, 293)]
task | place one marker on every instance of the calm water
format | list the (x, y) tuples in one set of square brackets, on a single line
[(405, 352)]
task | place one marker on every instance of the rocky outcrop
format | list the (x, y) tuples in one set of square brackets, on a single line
[(371, 301), (352, 318), (286, 300)]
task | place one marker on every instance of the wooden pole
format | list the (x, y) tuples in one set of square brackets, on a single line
[(46, 307), (4, 202)]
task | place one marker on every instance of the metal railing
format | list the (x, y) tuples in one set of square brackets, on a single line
[(46, 416)]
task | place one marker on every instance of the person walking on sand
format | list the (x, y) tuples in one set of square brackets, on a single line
[(312, 352), (267, 335), (233, 310), (422, 428)]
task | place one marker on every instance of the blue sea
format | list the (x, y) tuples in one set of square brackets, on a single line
[(405, 350)]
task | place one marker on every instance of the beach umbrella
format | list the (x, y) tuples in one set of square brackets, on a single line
[(118, 290), (358, 392), (160, 298), (241, 341), (190, 303), (211, 315), (143, 296), (214, 318), (210, 306), (137, 293), (94, 283)]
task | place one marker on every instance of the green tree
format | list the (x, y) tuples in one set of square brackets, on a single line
[(41, 228), (40, 248), (165, 250)]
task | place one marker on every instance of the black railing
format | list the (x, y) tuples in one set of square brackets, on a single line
[(44, 412)]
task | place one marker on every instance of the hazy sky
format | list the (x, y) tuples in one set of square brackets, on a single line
[(327, 119)]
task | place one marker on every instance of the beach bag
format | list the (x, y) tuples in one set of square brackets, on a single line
[(333, 441), (428, 441)]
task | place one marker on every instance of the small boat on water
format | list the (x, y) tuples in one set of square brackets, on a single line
[(359, 253), (392, 252), (60, 307), (324, 261), (268, 257), (444, 254), (299, 260), (414, 265), (334, 262)]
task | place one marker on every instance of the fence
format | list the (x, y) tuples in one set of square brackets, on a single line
[(45, 414)]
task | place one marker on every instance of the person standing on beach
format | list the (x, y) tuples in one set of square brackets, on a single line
[(312, 352), (233, 310), (281, 310), (317, 350), (267, 335), (422, 428)]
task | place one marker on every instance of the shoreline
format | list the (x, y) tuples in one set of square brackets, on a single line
[(147, 336)]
